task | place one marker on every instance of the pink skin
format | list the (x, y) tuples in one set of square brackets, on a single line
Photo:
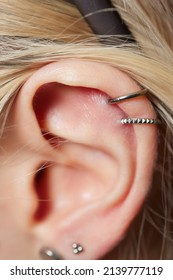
[(95, 182)]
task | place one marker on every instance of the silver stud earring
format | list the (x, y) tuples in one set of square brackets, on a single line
[(77, 248), (49, 254)]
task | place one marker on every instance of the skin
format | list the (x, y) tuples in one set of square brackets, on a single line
[(96, 180)]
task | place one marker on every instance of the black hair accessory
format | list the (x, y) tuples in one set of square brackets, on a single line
[(102, 22)]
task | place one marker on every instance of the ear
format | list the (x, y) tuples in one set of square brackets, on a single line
[(85, 173)]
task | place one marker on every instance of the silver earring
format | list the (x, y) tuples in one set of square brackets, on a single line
[(77, 248), (127, 97), (140, 121), (49, 254)]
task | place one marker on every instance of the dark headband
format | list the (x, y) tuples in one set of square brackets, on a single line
[(102, 22)]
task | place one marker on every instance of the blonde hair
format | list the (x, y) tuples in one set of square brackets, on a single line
[(34, 33)]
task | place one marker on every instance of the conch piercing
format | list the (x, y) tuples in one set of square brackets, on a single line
[(127, 97), (140, 121)]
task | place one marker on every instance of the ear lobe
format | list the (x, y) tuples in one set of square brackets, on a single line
[(96, 179)]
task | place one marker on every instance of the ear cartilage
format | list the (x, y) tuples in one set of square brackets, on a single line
[(127, 97), (49, 254), (140, 121), (77, 248)]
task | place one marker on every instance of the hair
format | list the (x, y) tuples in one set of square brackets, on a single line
[(35, 33)]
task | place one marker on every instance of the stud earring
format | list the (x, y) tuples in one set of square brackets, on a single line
[(77, 248), (49, 254)]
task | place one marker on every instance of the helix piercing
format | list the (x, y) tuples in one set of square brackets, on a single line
[(140, 121), (77, 248), (49, 254), (127, 97)]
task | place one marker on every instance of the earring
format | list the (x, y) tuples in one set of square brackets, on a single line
[(49, 254), (141, 92), (77, 248), (140, 121), (127, 97)]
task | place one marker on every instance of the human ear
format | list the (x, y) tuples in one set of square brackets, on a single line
[(93, 172)]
